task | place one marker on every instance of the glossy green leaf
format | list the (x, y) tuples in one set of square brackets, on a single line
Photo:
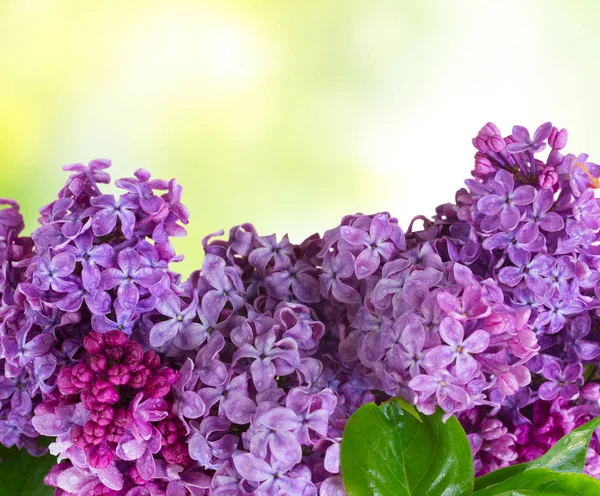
[(393, 451), (546, 482), (529, 493), (499, 475), (567, 455), (23, 475), (569, 452)]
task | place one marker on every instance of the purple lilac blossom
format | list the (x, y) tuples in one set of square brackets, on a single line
[(239, 379)]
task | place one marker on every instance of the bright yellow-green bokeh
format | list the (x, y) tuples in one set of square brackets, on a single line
[(286, 114)]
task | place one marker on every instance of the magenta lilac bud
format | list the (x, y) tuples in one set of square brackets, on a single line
[(115, 338), (94, 343)]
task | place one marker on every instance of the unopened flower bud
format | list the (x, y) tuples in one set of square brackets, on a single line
[(77, 436), (483, 166), (103, 415), (116, 338), (122, 417), (105, 392), (114, 433), (133, 353), (151, 360), (98, 363), (139, 378), (591, 391), (548, 178), (94, 343), (118, 374), (100, 457), (65, 382), (114, 353), (558, 139), (82, 375)]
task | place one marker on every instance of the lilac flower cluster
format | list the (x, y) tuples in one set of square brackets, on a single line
[(240, 379), (111, 403), (419, 326), (533, 226)]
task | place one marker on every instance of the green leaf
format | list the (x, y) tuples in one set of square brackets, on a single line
[(528, 493), (407, 407), (567, 455), (569, 452), (392, 451), (546, 482), (499, 475), (23, 475)]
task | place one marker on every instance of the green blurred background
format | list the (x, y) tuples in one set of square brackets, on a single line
[(286, 114)]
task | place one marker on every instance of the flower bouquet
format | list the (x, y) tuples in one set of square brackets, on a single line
[(476, 331)]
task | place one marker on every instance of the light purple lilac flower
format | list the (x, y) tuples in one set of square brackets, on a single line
[(457, 348), (525, 143)]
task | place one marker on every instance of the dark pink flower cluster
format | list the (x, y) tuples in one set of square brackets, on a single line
[(116, 388)]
